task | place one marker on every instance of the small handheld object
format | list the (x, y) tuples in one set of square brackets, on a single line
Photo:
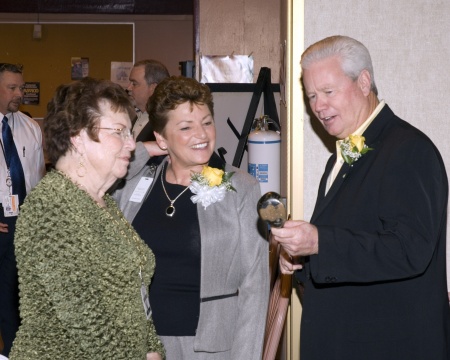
[(271, 209)]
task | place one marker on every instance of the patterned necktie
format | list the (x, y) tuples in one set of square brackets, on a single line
[(13, 162)]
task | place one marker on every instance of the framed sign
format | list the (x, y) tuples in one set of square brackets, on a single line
[(31, 93)]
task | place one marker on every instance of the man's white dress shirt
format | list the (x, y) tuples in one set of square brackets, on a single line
[(28, 140)]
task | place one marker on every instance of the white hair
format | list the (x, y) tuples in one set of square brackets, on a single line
[(353, 55)]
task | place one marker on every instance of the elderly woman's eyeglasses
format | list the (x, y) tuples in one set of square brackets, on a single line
[(124, 132)]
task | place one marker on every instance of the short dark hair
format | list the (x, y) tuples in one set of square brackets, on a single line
[(174, 91), (14, 68), (75, 107), (155, 71)]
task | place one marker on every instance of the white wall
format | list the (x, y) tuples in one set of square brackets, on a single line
[(234, 105)]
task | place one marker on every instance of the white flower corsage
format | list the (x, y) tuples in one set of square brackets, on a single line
[(353, 147), (210, 185)]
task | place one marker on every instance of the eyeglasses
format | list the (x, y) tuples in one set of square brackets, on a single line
[(124, 132)]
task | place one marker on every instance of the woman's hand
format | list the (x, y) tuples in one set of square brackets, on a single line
[(154, 356)]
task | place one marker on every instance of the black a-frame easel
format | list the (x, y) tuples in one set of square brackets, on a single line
[(263, 86)]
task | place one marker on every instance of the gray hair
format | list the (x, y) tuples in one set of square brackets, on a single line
[(354, 56), (155, 71)]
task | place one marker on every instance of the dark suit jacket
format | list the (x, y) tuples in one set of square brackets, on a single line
[(377, 289), (146, 133)]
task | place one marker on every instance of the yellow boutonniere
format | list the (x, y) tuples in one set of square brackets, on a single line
[(353, 147), (210, 185)]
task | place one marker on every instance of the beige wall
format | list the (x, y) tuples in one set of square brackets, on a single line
[(48, 60), (166, 38), (242, 27), (169, 39)]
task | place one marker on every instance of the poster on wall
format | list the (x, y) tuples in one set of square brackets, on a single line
[(31, 93), (120, 72), (79, 68)]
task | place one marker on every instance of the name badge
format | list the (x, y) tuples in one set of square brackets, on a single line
[(141, 189), (10, 205)]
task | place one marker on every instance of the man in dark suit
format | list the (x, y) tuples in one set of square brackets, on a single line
[(144, 77), (374, 252)]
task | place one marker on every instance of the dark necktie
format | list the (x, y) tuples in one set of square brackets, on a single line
[(13, 162)]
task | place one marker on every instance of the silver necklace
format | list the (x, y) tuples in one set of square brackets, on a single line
[(170, 210)]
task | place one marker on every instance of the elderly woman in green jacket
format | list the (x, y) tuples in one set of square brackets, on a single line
[(83, 270)]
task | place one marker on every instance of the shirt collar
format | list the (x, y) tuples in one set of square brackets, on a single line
[(362, 128)]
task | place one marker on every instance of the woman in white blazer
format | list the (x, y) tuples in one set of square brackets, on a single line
[(210, 291)]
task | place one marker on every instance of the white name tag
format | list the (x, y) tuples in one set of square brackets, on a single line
[(10, 205), (141, 189)]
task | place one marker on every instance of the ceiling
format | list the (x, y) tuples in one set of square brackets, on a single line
[(147, 7)]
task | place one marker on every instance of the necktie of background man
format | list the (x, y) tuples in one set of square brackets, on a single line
[(13, 162)]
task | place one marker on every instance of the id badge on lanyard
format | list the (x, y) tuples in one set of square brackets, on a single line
[(10, 202)]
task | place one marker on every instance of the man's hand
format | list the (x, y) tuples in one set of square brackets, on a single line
[(298, 238), (3, 228), (153, 148)]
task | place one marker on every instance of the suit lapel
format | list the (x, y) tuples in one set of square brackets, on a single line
[(323, 200), (146, 133), (323, 181), (371, 134)]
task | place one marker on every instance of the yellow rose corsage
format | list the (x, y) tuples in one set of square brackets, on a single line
[(353, 147), (210, 185)]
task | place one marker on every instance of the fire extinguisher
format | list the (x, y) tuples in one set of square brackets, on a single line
[(264, 155)]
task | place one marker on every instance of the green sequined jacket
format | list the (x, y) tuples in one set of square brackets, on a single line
[(79, 279)]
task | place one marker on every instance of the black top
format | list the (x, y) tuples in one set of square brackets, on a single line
[(175, 241)]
